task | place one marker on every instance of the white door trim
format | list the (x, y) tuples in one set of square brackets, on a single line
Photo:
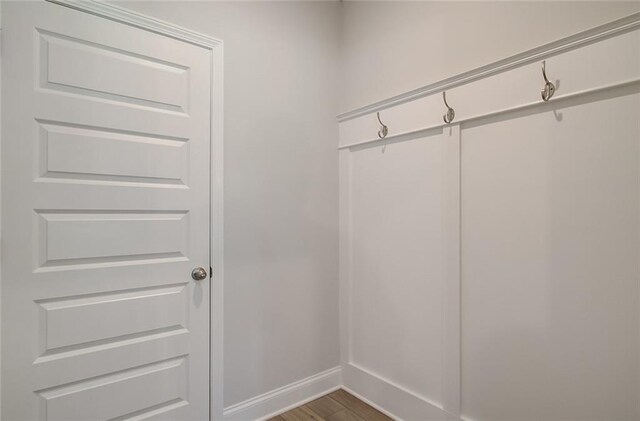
[(128, 17)]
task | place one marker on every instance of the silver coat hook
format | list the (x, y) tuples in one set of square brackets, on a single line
[(451, 114), (384, 130), (549, 88)]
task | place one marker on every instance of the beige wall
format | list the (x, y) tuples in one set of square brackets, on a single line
[(392, 47)]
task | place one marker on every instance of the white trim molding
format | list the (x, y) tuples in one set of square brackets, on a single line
[(280, 400), (451, 306), (390, 398), (599, 33), (129, 17), (615, 88), (370, 403), (217, 235)]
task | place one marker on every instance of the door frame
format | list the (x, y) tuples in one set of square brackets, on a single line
[(216, 194)]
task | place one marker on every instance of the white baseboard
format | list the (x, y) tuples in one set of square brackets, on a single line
[(389, 398), (370, 403), (287, 397)]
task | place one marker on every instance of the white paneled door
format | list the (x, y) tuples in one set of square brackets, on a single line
[(105, 213)]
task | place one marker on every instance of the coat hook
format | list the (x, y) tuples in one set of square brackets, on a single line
[(451, 114), (549, 88), (384, 130)]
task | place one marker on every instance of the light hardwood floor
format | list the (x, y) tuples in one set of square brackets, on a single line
[(336, 406)]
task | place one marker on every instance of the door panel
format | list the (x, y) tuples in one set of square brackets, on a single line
[(67, 153), (105, 213), (102, 71)]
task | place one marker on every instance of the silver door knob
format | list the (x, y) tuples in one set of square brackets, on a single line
[(199, 274)]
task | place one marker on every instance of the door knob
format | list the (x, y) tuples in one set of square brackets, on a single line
[(199, 273)]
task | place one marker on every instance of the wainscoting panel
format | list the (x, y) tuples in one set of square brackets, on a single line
[(550, 262), (402, 281), (489, 267)]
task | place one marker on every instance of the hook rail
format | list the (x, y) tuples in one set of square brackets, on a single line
[(546, 93)]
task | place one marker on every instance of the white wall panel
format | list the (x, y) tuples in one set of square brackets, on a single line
[(538, 315), (397, 272), (550, 262)]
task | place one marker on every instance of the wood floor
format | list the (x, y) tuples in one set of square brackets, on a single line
[(336, 406)]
